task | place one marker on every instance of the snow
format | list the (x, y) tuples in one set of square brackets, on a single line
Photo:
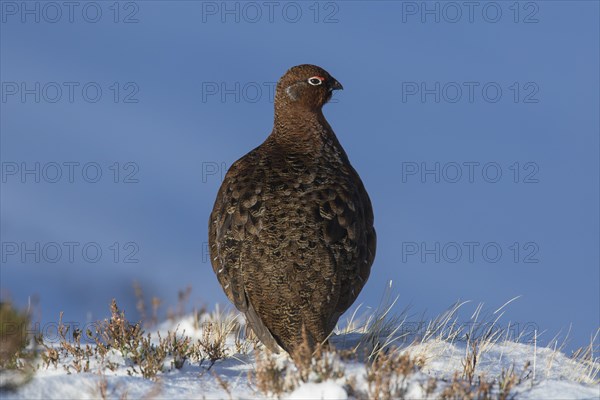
[(556, 375), (327, 390)]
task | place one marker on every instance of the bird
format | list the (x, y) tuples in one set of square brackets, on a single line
[(291, 234)]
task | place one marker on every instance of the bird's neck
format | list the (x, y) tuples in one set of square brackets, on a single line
[(299, 125), (306, 133)]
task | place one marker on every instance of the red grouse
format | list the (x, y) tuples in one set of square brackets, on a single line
[(291, 232)]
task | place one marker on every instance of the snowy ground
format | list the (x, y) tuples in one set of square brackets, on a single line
[(544, 373)]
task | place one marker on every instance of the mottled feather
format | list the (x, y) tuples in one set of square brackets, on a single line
[(291, 232)]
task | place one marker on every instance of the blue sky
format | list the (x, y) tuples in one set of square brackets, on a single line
[(475, 131)]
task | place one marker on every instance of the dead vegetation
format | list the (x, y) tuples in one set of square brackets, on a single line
[(270, 374), (16, 357), (276, 374), (394, 354), (13, 335), (470, 362), (143, 354), (389, 373)]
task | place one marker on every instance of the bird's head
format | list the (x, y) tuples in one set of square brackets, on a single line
[(305, 87)]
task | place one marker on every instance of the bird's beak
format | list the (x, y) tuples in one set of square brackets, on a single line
[(335, 85)]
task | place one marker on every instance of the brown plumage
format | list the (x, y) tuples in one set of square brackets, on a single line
[(291, 232)]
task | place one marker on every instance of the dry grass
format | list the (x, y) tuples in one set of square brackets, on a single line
[(317, 363), (510, 380), (502, 388), (379, 329), (271, 374), (13, 335), (470, 362), (16, 358), (396, 353), (388, 375), (459, 389), (217, 328), (390, 369), (145, 355), (277, 374), (588, 362)]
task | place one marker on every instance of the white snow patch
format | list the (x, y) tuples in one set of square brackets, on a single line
[(556, 375), (327, 390)]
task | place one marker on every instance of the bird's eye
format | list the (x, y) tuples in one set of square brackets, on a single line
[(315, 80)]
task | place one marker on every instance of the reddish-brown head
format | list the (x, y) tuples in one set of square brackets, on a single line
[(307, 87)]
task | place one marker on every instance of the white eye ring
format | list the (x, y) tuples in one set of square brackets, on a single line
[(315, 81)]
